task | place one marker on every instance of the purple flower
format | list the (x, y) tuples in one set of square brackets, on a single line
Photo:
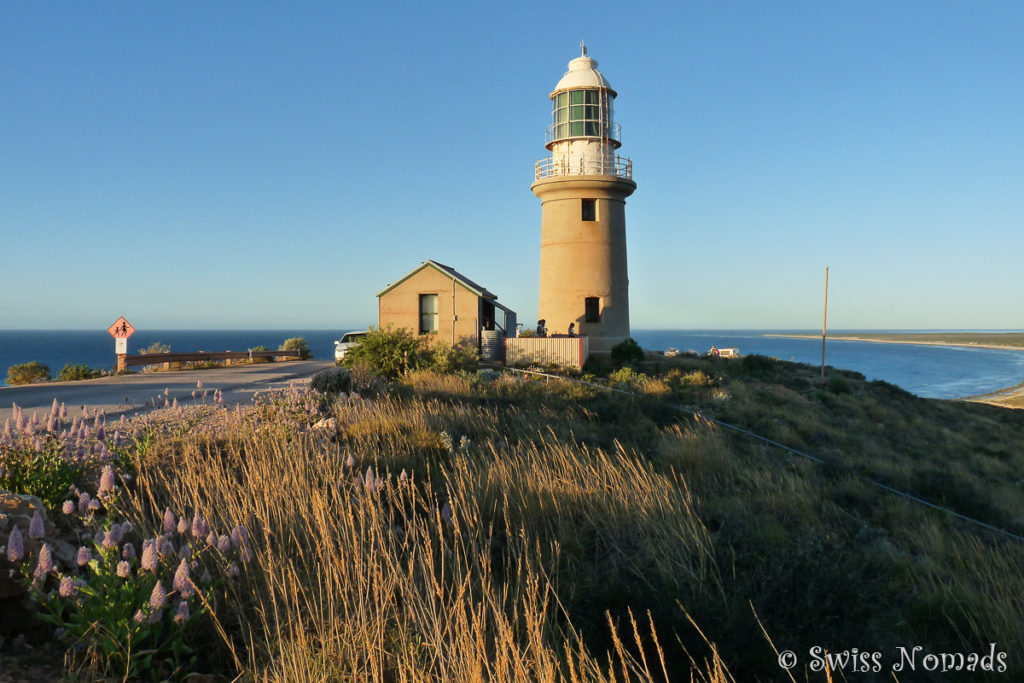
[(223, 544), (94, 505), (238, 536), (67, 587), (15, 546), (183, 582), (167, 548), (233, 570), (124, 570), (68, 508), (149, 556), (170, 523), (107, 540), (211, 540), (182, 526), (158, 598), (350, 461), (446, 512), (199, 527), (54, 409), (45, 565), (128, 552), (155, 617), (184, 552), (403, 477), (205, 578), (139, 617), (83, 556), (106, 481), (36, 528), (181, 614), (126, 528)]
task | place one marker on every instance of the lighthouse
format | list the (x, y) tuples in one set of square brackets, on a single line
[(583, 184)]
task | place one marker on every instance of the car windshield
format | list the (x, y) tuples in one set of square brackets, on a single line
[(352, 337)]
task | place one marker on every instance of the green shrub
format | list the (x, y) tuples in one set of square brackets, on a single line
[(72, 372), (389, 352), (627, 352), (332, 381), (443, 357), (758, 365), (627, 378), (839, 385), (297, 344), (156, 347), (47, 473), (28, 373)]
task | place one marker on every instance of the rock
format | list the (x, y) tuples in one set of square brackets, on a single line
[(16, 506), (328, 423)]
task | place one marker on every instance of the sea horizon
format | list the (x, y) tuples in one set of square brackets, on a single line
[(928, 371)]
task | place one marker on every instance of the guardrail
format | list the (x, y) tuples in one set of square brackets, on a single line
[(618, 166), (125, 361)]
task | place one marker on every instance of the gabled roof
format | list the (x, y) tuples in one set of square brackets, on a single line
[(447, 271)]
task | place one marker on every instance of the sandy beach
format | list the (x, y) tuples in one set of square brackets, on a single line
[(1012, 397), (1006, 398), (922, 342)]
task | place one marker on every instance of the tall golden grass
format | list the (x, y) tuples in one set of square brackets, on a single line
[(454, 573)]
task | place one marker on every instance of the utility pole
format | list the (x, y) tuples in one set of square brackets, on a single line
[(824, 326)]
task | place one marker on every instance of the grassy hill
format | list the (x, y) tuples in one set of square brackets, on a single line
[(484, 526)]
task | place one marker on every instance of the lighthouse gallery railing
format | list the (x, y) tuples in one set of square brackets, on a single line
[(621, 167)]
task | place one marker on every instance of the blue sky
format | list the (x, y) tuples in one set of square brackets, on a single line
[(274, 165)]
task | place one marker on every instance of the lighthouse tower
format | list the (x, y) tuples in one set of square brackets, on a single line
[(583, 186)]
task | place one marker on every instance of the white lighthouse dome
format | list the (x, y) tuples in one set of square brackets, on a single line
[(583, 73)]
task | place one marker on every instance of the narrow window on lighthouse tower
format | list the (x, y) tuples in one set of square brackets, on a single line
[(589, 210), (592, 313)]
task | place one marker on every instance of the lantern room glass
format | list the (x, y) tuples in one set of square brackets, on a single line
[(581, 113)]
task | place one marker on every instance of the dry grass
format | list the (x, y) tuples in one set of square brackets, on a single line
[(551, 531), (457, 573)]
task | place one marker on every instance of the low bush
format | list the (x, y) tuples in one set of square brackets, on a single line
[(297, 344), (156, 347), (446, 358), (332, 381), (45, 472), (627, 352), (72, 372), (28, 373), (390, 352)]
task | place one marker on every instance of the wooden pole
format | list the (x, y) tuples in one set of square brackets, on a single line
[(824, 326)]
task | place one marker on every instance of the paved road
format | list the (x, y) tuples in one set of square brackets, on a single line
[(130, 393)]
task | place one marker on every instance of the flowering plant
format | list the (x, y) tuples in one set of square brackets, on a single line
[(133, 611)]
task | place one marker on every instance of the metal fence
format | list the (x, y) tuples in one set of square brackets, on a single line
[(618, 166), (570, 352)]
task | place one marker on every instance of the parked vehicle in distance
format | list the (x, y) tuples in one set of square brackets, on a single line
[(347, 341)]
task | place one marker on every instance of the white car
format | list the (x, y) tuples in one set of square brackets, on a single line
[(348, 340)]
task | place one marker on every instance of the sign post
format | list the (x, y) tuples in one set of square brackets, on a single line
[(120, 331)]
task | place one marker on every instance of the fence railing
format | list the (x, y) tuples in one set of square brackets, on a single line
[(570, 352), (618, 166), (124, 361)]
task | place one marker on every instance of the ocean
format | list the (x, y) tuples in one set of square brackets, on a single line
[(929, 371)]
